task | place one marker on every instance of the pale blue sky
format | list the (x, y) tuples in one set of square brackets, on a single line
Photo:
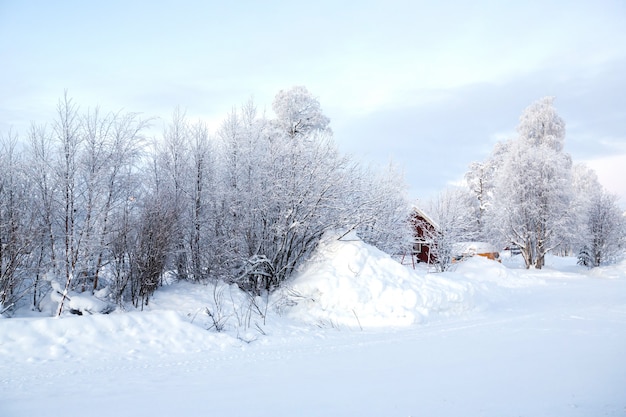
[(430, 85)]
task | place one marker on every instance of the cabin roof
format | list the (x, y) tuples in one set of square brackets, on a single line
[(425, 216)]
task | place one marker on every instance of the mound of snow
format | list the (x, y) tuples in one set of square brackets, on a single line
[(80, 303), (483, 270), (124, 335), (350, 283), (615, 271)]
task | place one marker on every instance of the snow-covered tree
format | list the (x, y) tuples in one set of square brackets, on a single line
[(278, 197), (16, 224), (480, 182), (68, 138), (201, 211), (585, 186), (299, 113), (602, 226), (540, 125), (532, 193), (454, 213), (122, 241), (173, 159), (605, 239), (245, 172), (40, 154), (111, 146), (123, 152), (153, 239), (377, 207)]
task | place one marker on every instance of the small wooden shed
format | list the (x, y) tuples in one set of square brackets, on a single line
[(424, 231)]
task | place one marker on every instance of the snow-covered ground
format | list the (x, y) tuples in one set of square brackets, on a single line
[(354, 334)]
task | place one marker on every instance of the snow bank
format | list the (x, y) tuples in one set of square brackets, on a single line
[(120, 335), (479, 269), (349, 283), (615, 271)]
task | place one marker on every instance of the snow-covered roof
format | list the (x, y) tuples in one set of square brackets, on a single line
[(425, 216)]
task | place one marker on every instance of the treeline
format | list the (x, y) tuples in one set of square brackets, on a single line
[(88, 202), (528, 194)]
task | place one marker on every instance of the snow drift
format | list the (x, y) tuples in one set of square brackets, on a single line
[(349, 283), (129, 336)]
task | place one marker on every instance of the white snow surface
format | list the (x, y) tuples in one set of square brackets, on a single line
[(353, 333)]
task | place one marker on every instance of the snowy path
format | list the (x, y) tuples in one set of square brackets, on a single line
[(552, 350)]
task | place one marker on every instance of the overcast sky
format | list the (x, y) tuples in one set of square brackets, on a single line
[(431, 86)]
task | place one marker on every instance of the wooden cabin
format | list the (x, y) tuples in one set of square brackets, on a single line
[(424, 230)]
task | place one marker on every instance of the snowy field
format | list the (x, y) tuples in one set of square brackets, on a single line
[(355, 334)]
